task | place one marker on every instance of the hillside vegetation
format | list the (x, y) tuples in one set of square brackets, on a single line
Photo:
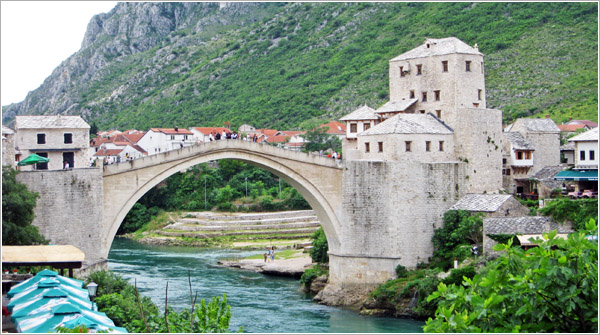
[(291, 65)]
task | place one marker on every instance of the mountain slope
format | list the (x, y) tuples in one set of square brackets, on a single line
[(288, 65)]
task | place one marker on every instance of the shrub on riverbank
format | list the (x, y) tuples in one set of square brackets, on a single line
[(122, 303)]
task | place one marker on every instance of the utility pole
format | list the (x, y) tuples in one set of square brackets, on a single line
[(205, 192), (246, 178)]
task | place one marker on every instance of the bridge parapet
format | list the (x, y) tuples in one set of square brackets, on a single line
[(222, 145)]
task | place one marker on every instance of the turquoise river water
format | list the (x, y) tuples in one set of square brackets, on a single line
[(259, 303)]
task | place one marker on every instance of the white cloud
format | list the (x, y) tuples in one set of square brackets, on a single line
[(36, 37)]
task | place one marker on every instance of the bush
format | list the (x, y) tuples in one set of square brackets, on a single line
[(578, 212), (456, 275), (311, 274), (401, 271), (318, 253), (453, 240), (527, 291)]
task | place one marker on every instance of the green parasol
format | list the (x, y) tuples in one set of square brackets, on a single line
[(33, 159)]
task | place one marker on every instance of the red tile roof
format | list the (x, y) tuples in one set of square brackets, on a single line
[(135, 137), (172, 131), (588, 123), (335, 127), (268, 132), (98, 141), (208, 130), (291, 133), (277, 139), (570, 127), (108, 152)]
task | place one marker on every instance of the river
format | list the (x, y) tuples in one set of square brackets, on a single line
[(259, 303)]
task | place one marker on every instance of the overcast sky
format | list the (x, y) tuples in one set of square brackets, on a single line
[(36, 37)]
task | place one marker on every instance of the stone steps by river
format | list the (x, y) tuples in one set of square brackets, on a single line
[(276, 225)]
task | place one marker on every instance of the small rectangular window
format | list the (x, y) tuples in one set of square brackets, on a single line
[(437, 95), (422, 111), (427, 146), (402, 73), (468, 66), (367, 147), (41, 138), (481, 67), (419, 69), (407, 145), (380, 144), (353, 127), (592, 155), (412, 94), (527, 154), (582, 155), (424, 94), (519, 155), (366, 126), (438, 113), (68, 138), (441, 146), (479, 94), (444, 66), (503, 160)]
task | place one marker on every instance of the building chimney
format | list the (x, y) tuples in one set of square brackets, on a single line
[(176, 129)]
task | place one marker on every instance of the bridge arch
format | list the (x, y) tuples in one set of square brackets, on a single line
[(318, 179)]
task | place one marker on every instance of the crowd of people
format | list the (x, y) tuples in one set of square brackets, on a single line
[(215, 136)]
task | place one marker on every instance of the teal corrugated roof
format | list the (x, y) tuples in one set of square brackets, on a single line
[(577, 175)]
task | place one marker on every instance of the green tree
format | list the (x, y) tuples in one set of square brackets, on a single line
[(549, 288), (18, 204), (318, 253), (453, 240), (578, 212), (318, 139)]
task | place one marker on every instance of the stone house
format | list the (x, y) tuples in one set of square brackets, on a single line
[(517, 162), (525, 225), (491, 205), (61, 138), (585, 171), (157, 140), (427, 147), (123, 145), (8, 147), (544, 136)]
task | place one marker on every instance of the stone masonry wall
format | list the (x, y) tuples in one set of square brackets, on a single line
[(390, 212), (69, 209)]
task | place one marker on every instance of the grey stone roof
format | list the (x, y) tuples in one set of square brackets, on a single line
[(523, 225), (535, 125), (49, 121), (546, 176), (363, 113), (568, 147), (518, 141), (481, 202), (590, 135), (6, 130), (396, 106), (409, 124), (437, 47)]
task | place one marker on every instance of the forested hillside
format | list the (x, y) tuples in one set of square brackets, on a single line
[(290, 65)]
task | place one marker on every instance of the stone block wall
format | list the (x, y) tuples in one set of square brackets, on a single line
[(478, 141), (390, 210), (69, 209), (547, 150)]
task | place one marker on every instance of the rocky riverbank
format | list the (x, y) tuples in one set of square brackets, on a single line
[(293, 267)]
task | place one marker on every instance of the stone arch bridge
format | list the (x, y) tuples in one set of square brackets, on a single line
[(317, 178), (372, 214)]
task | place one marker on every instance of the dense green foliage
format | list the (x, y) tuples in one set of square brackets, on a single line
[(136, 218), (401, 271), (578, 212), (454, 239), (120, 301), (311, 274), (318, 139), (549, 288), (318, 253), (18, 204), (302, 62), (224, 187)]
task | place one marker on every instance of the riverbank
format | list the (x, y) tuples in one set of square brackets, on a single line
[(292, 267)]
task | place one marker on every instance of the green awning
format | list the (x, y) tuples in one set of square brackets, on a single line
[(577, 175), (33, 159)]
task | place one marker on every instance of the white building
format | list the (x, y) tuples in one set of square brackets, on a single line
[(202, 134), (586, 146), (157, 140), (60, 138)]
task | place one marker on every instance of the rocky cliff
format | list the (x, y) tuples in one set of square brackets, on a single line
[(286, 65)]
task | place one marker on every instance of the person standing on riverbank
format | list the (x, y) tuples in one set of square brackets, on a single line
[(272, 254), (266, 256)]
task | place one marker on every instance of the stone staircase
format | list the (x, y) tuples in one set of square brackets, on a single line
[(275, 225)]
